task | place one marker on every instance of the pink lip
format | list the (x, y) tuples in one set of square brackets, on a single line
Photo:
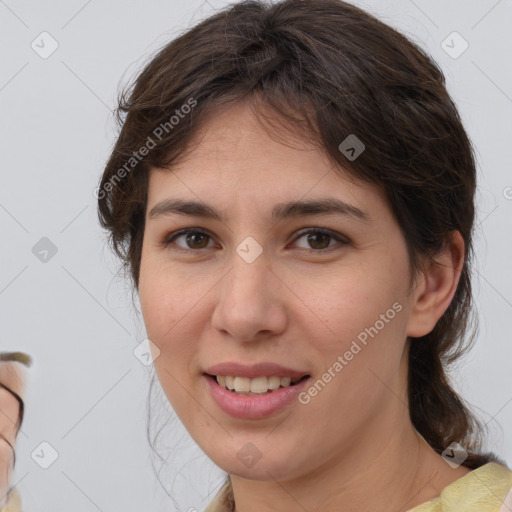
[(255, 370), (253, 407)]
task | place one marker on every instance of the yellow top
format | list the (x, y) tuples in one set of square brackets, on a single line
[(485, 489), (13, 503)]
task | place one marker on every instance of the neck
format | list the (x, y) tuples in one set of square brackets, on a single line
[(394, 471)]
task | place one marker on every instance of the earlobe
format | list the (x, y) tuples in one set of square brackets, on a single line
[(438, 285)]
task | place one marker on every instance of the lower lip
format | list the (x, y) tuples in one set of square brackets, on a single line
[(253, 407)]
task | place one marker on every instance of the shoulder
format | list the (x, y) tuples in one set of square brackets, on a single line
[(223, 501), (13, 503), (485, 489)]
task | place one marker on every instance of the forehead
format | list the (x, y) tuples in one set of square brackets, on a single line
[(232, 158)]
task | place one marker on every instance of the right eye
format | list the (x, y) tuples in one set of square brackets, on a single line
[(194, 239)]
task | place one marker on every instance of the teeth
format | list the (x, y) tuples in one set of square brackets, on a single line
[(256, 386), (274, 382), (242, 384), (230, 382), (285, 381)]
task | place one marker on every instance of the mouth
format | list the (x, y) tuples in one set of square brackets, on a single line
[(255, 397), (256, 386)]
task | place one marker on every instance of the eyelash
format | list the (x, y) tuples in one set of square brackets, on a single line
[(336, 236)]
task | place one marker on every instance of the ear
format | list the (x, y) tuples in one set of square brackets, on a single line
[(436, 286)]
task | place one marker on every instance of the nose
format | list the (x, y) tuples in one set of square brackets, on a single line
[(250, 301)]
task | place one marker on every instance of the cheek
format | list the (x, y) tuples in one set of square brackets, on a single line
[(166, 303), (354, 305), (365, 312), (165, 297), (166, 306)]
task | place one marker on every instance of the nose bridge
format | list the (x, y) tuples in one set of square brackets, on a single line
[(248, 281), (247, 303)]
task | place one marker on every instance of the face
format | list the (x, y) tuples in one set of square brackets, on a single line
[(321, 292)]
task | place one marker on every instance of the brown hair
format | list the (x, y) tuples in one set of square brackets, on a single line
[(329, 70)]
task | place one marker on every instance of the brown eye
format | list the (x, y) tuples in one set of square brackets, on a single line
[(194, 239), (319, 239)]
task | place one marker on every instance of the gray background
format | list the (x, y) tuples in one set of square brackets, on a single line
[(87, 392)]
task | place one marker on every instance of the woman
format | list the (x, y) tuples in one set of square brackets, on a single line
[(292, 192), (304, 341)]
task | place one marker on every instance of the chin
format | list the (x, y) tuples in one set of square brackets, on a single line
[(249, 459)]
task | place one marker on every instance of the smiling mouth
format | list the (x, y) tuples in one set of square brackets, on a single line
[(254, 386)]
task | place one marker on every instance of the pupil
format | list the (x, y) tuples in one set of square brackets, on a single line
[(193, 237), (311, 239)]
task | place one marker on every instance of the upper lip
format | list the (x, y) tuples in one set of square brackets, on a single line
[(254, 370)]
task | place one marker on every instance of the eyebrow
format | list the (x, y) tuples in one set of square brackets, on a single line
[(280, 211)]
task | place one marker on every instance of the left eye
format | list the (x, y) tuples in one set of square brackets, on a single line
[(317, 238)]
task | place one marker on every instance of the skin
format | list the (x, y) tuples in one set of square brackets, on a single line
[(352, 447), (12, 375)]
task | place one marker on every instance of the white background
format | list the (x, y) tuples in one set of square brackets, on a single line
[(87, 393)]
